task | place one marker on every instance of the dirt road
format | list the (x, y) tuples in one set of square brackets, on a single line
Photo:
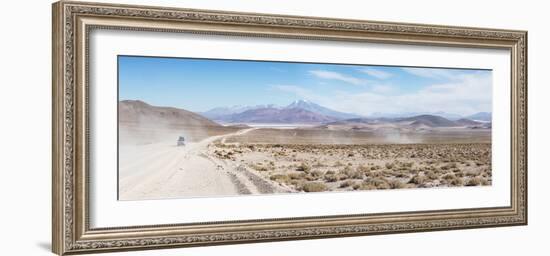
[(163, 170)]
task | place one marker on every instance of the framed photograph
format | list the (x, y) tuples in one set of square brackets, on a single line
[(179, 127)]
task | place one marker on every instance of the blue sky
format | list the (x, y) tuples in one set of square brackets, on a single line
[(201, 84)]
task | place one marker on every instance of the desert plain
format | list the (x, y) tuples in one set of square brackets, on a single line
[(247, 159)]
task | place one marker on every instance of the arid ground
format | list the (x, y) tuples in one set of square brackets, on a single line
[(313, 168), (224, 161), (229, 160)]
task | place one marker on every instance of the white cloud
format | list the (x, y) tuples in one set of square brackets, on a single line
[(432, 73), (324, 74), (376, 73), (468, 94), (384, 89)]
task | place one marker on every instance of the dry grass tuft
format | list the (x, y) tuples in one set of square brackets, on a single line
[(303, 167), (432, 175), (364, 186), (296, 176), (457, 182), (418, 179), (279, 178), (477, 181), (379, 183), (347, 183), (314, 187), (396, 184)]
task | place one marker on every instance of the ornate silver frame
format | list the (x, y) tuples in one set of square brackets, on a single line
[(72, 21)]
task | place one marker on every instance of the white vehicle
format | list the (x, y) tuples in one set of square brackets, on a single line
[(181, 141)]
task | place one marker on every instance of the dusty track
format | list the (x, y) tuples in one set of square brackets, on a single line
[(163, 170)]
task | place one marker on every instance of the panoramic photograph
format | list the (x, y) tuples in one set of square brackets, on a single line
[(211, 127)]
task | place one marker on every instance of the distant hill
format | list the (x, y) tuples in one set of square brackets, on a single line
[(429, 120), (364, 120), (467, 122), (276, 115), (481, 116), (450, 116), (221, 113), (136, 111), (413, 122)]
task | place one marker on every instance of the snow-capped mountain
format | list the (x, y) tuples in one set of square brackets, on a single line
[(318, 109), (299, 111)]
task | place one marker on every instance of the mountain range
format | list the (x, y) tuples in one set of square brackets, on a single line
[(419, 121), (304, 111), (221, 112), (299, 111), (480, 116), (278, 115), (316, 108)]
